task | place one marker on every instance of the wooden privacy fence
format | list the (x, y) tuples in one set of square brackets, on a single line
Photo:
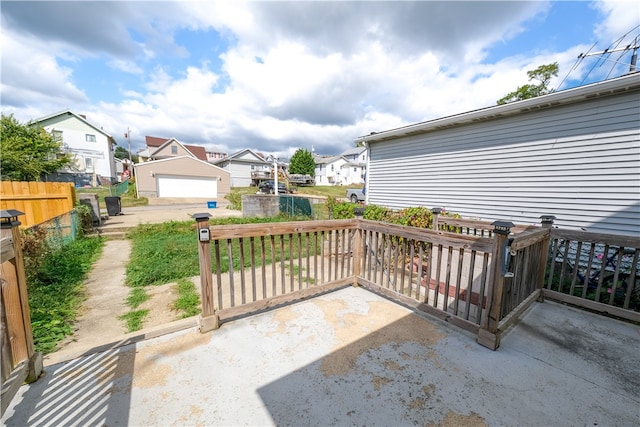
[(40, 201), (19, 360)]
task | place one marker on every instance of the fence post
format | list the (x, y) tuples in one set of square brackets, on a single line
[(435, 212), (357, 249), (488, 335), (547, 222), (13, 271), (209, 320)]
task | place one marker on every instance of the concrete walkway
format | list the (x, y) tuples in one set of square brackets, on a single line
[(106, 291), (106, 300), (351, 357)]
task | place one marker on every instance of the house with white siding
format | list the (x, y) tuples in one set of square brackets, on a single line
[(574, 154), (355, 170), (91, 147), (241, 165), (328, 169)]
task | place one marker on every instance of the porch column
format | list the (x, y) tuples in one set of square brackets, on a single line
[(435, 212), (209, 320), (489, 335), (357, 246), (546, 222)]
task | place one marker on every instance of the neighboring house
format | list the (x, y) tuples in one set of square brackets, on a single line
[(91, 147), (162, 148), (212, 156), (329, 170), (355, 170), (574, 154), (181, 177), (179, 170), (174, 148), (123, 169), (242, 164), (357, 155)]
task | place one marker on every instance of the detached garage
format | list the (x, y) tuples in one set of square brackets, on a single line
[(181, 177)]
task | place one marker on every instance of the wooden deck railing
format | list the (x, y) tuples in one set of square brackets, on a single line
[(440, 273), (597, 271), (476, 282)]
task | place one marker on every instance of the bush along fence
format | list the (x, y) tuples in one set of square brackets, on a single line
[(477, 275)]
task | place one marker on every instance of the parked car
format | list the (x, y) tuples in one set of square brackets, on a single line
[(268, 186), (355, 195)]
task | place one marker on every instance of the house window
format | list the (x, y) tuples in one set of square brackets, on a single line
[(355, 170), (90, 138), (363, 157), (253, 167), (57, 135), (174, 149), (88, 164), (332, 168)]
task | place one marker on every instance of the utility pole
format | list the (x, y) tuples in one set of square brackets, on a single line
[(128, 135)]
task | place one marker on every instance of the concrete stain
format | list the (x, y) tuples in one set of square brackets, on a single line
[(357, 333), (452, 419)]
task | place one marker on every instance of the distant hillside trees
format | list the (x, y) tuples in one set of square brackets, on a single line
[(543, 75), (29, 152), (302, 163)]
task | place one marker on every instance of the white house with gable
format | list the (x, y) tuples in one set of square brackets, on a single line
[(241, 165), (89, 144)]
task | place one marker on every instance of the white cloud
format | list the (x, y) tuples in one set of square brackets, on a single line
[(328, 71)]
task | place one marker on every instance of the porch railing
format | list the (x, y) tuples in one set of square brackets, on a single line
[(476, 275), (598, 271)]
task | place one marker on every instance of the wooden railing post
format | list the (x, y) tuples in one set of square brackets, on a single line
[(357, 247), (488, 335), (435, 213), (16, 298), (547, 222), (209, 319)]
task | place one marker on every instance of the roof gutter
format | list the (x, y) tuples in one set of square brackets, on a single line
[(629, 82)]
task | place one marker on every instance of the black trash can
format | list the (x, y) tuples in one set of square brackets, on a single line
[(114, 207)]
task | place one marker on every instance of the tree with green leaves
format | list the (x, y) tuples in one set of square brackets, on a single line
[(28, 152), (543, 74), (302, 163), (122, 153)]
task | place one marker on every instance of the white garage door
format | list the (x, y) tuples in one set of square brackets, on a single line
[(176, 186)]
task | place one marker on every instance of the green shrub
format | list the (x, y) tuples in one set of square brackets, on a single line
[(376, 213), (344, 210), (235, 200), (420, 217), (85, 219)]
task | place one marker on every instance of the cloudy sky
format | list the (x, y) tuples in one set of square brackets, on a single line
[(277, 76)]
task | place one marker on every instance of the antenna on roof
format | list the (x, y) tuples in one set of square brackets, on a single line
[(634, 56)]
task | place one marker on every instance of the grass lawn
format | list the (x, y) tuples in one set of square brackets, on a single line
[(126, 199), (165, 253)]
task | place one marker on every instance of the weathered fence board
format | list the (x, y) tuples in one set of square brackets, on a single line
[(40, 201)]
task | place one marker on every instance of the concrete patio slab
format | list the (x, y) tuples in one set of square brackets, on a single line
[(351, 357)]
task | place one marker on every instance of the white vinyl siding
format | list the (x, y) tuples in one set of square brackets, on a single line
[(579, 162)]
